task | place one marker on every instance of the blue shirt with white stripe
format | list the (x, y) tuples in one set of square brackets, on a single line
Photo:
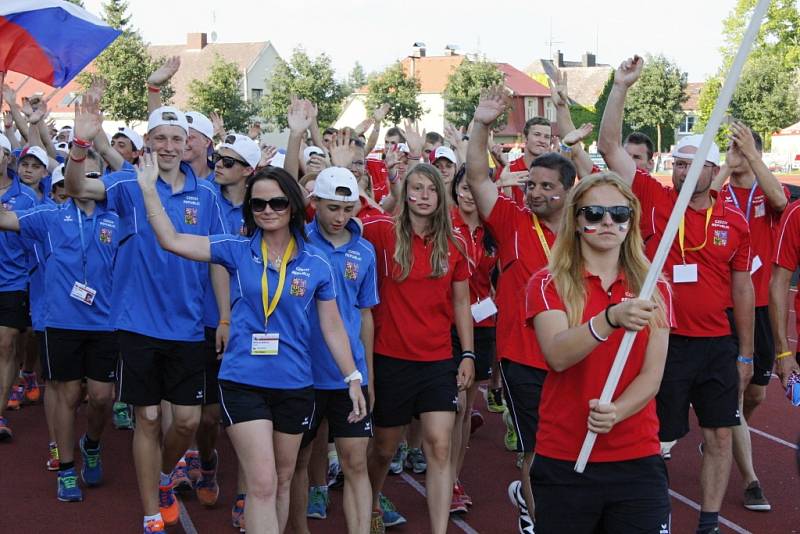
[(14, 262)]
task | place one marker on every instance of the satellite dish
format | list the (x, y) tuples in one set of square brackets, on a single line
[(213, 37)]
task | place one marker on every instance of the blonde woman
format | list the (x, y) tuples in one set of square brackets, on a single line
[(579, 307)]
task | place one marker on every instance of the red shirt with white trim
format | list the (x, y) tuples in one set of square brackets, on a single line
[(564, 407), (764, 222), (521, 254), (699, 306), (787, 246), (482, 263), (413, 319), (380, 178)]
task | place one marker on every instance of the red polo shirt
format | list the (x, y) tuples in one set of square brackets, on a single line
[(787, 246), (515, 166), (367, 210), (521, 254), (380, 178), (413, 319), (482, 263), (699, 306), (564, 408), (763, 223)]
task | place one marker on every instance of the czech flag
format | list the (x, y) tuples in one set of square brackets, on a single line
[(50, 40)]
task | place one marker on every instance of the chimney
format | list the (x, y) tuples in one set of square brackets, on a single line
[(588, 60), (196, 41), (558, 58), (418, 50), (450, 50)]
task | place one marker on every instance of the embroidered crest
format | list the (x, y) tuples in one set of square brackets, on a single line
[(190, 215), (105, 235), (721, 238), (760, 210), (350, 270), (298, 287)]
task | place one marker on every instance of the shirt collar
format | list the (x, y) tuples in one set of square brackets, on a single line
[(255, 242)]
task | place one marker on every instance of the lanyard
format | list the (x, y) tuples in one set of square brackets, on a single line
[(540, 233), (749, 199), (269, 307), (84, 244), (682, 233)]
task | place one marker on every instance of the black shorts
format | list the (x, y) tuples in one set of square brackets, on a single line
[(152, 370), (522, 386), (334, 405), (763, 345), (405, 388), (69, 355), (212, 367), (15, 310), (290, 410), (701, 371), (484, 337), (613, 497)]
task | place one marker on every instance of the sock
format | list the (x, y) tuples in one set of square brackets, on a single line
[(708, 520), (90, 444), (63, 466), (209, 465), (147, 518), (164, 480)]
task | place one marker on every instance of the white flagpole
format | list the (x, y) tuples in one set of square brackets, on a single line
[(677, 213)]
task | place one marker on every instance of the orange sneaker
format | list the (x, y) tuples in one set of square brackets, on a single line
[(32, 390), (154, 526), (168, 505), (15, 398)]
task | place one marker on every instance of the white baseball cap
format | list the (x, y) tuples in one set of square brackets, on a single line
[(311, 150), (62, 147), (167, 116), (245, 147), (332, 178), (402, 147), (5, 143), (135, 139), (199, 122), (37, 152), (694, 142), (446, 153), (58, 176)]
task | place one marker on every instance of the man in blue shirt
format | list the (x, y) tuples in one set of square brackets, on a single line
[(352, 259), (157, 300)]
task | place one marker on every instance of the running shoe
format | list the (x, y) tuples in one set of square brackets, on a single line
[(206, 486), (193, 467), (524, 521), (92, 471), (317, 503), (68, 490), (180, 478), (457, 504), (32, 390), (520, 459), (494, 400), (391, 517), (53, 461), (237, 511), (16, 396), (416, 461), (5, 430), (754, 498), (154, 526), (335, 473), (666, 449), (464, 497), (122, 416), (510, 439), (376, 525), (396, 467), (476, 421), (168, 505)]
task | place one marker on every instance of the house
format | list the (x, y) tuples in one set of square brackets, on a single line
[(689, 109), (529, 99), (585, 78), (786, 147)]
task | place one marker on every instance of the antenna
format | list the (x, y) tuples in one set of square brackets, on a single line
[(551, 42), (213, 23), (597, 40)]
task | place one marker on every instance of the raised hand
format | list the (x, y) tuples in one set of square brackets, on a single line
[(147, 171), (578, 134), (414, 139), (88, 118), (742, 138), (629, 71), (8, 121), (254, 131), (97, 89), (218, 123), (166, 71), (493, 102), (299, 115), (341, 154), (380, 113), (558, 89), (267, 153)]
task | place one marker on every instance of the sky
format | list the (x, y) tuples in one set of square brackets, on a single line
[(377, 33)]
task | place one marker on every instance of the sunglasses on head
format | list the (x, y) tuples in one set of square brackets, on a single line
[(595, 214), (227, 161), (229, 139), (275, 204), (169, 116)]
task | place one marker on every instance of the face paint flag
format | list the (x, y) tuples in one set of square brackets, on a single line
[(590, 229), (49, 40)]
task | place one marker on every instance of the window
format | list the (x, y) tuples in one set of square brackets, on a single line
[(255, 94), (531, 108), (549, 110), (687, 124)]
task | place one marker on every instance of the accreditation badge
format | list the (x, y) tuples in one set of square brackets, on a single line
[(83, 293), (265, 344)]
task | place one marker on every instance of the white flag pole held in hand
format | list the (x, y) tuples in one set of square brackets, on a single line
[(677, 213)]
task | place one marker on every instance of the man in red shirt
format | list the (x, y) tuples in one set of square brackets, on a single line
[(524, 236), (709, 265), (786, 261)]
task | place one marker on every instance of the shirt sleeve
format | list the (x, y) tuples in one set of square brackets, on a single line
[(326, 290), (368, 291), (33, 223), (541, 295), (225, 250), (501, 223), (742, 258), (117, 197), (787, 249)]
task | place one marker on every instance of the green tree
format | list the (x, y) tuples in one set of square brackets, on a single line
[(311, 78), (393, 87), (356, 79), (221, 91), (115, 13), (463, 91), (655, 100), (778, 35), (581, 115), (78, 3)]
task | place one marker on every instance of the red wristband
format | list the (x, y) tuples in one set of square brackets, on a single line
[(76, 160), (153, 89), (82, 143)]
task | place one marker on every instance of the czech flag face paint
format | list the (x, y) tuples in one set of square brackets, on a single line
[(590, 229)]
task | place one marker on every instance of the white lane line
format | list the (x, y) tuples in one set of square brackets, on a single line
[(689, 502), (419, 488), (186, 521), (776, 439)]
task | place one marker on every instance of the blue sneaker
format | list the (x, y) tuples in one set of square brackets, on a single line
[(92, 470), (391, 517), (415, 461), (68, 490), (317, 503)]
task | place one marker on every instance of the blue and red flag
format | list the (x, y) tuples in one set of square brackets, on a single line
[(50, 40)]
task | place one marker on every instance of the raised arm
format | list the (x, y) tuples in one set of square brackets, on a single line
[(10, 97), (573, 141), (313, 127), (415, 141), (101, 144), (570, 136), (88, 120), (157, 79), (455, 137), (377, 119), (609, 142), (493, 102), (743, 139), (299, 119)]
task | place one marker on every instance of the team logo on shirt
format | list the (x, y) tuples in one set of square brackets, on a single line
[(298, 287), (350, 270), (760, 209), (721, 238), (105, 235), (190, 215)]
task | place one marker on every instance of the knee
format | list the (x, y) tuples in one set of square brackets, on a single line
[(383, 450), (354, 462), (261, 485), (8, 345), (718, 441), (101, 398), (438, 449), (209, 418), (148, 420), (753, 396), (186, 424)]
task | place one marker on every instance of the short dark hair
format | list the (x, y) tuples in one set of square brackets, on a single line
[(489, 243), (330, 131), (433, 138), (641, 138), (290, 188), (758, 141), (394, 130), (541, 121), (557, 162)]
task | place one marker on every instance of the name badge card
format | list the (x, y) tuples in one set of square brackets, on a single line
[(483, 309), (756, 265), (264, 345), (83, 293), (684, 273)]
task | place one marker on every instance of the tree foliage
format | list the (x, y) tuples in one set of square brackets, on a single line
[(221, 91), (463, 91), (779, 35), (356, 79), (393, 87), (115, 13), (306, 77), (581, 115)]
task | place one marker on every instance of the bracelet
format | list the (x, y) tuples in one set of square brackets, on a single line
[(153, 88), (565, 148), (468, 354), (155, 213), (744, 359), (782, 355), (82, 143), (595, 335), (224, 322), (608, 317), (355, 375), (76, 160)]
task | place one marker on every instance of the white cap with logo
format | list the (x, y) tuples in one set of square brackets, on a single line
[(245, 147), (310, 151), (36, 152), (58, 176), (446, 153), (135, 139), (694, 141), (201, 123), (331, 180), (167, 116)]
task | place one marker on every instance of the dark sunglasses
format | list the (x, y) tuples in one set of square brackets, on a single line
[(93, 174), (275, 203), (227, 161), (595, 214)]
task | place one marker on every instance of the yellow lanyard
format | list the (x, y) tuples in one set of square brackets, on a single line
[(542, 239), (682, 233), (269, 307)]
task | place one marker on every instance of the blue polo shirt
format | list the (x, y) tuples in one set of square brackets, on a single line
[(14, 263), (36, 251), (157, 293), (59, 227), (356, 288), (308, 278)]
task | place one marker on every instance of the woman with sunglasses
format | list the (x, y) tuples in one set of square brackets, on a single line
[(579, 308), (265, 379), (424, 289)]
